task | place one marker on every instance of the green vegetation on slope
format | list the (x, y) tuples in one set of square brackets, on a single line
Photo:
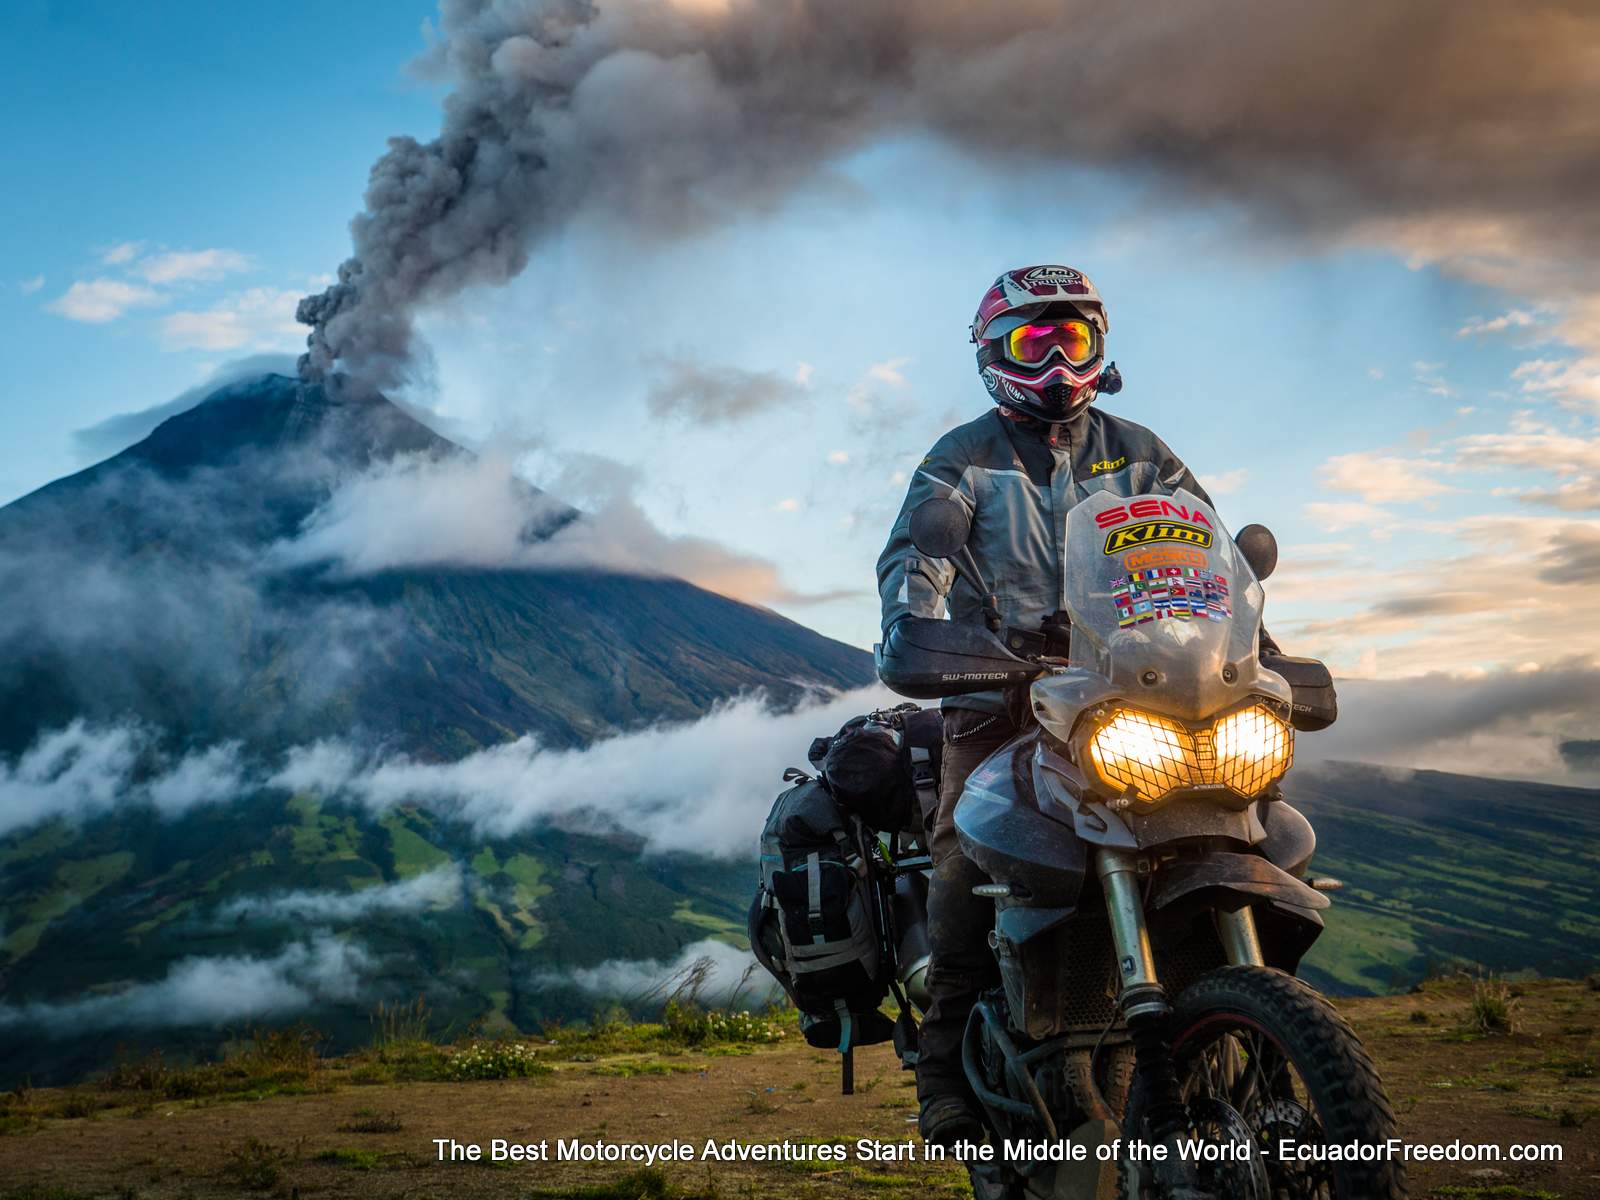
[(1449, 869)]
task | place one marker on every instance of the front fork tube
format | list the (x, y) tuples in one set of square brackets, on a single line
[(1136, 964), (1141, 991), (1239, 941), (1143, 999)]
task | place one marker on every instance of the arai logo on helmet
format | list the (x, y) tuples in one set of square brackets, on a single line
[(1052, 276)]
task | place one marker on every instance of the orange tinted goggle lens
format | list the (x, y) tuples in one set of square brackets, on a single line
[(1030, 345)]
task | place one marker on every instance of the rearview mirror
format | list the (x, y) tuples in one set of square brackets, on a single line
[(1259, 547), (940, 528)]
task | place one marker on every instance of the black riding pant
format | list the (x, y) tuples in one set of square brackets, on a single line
[(961, 963)]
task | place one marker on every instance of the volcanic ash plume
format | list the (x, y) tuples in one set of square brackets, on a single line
[(1458, 132)]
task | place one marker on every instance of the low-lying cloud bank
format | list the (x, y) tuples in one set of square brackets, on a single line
[(432, 889), (1511, 724), (714, 972), (212, 991), (82, 771), (704, 786)]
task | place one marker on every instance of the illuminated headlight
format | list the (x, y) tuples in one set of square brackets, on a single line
[(1253, 747), (1152, 755)]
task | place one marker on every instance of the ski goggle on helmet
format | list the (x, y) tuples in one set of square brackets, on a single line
[(1036, 343)]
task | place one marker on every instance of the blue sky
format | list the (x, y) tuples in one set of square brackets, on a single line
[(187, 170)]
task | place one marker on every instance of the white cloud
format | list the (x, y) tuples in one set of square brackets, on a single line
[(838, 458), (479, 512), (803, 373), (1507, 594), (81, 771), (1429, 378), (714, 971), (889, 371), (1545, 450), (1516, 318), (1223, 483), (259, 318), (97, 301), (787, 505), (437, 888), (122, 252), (29, 286), (210, 991), (1383, 479), (706, 789), (418, 511), (1572, 381), (1349, 515), (190, 266), (1534, 447)]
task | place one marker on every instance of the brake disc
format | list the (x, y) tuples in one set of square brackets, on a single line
[(1238, 1173)]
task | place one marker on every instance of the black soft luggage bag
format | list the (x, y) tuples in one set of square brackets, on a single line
[(884, 766), (817, 921)]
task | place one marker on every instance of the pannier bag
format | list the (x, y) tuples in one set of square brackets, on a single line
[(817, 922), (1315, 704), (884, 766)]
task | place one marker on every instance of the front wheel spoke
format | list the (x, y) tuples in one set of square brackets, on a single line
[(1246, 1089)]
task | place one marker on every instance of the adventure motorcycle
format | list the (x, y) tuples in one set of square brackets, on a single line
[(1149, 881)]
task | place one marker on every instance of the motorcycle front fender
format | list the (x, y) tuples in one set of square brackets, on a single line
[(1246, 875), (1287, 911)]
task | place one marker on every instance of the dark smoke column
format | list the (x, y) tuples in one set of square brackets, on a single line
[(439, 217), (671, 115), (460, 210)]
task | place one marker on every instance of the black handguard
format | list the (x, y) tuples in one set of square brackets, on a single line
[(1315, 704), (926, 659)]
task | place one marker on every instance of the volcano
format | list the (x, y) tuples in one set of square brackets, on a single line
[(142, 592), (138, 589)]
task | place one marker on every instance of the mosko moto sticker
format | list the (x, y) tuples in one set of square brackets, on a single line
[(1145, 532), (1165, 556)]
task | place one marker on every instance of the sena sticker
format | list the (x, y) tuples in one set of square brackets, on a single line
[(1170, 594), (1109, 464), (1143, 534), (1165, 556), (1136, 510)]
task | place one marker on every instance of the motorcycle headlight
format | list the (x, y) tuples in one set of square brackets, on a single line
[(1152, 755), (1253, 747)]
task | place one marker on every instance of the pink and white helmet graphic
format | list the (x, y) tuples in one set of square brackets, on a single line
[(1057, 389)]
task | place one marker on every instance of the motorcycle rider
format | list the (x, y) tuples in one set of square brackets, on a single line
[(1040, 333)]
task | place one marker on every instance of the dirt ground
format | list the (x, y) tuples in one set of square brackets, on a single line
[(1537, 1084)]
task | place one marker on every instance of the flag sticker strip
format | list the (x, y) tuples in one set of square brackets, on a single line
[(1170, 593)]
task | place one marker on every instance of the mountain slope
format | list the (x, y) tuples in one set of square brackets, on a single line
[(105, 922), (144, 588), (1443, 869), (136, 930)]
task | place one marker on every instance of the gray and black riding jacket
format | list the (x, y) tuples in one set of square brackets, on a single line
[(1019, 487)]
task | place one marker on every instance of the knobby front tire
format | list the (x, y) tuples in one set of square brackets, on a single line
[(1273, 1050)]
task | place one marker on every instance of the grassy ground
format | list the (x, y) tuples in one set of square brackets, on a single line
[(1499, 1064)]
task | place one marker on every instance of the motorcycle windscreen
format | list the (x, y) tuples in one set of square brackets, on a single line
[(1155, 584)]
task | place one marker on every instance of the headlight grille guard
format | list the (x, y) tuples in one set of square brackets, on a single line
[(1163, 758)]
